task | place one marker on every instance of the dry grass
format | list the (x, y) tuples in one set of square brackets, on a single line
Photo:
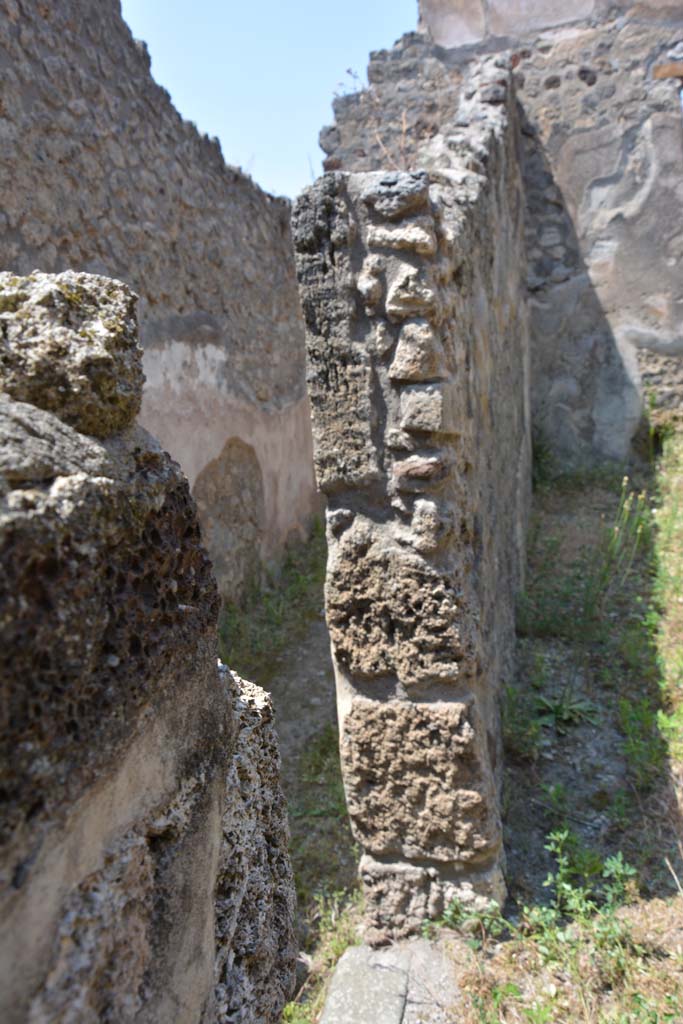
[(668, 593), (627, 969)]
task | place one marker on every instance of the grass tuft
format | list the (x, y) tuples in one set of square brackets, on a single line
[(255, 632)]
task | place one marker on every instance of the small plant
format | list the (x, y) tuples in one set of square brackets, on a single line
[(644, 746), (253, 633), (479, 923), (497, 997), (565, 710), (582, 882), (539, 1013), (521, 729), (618, 878), (574, 866), (336, 922), (557, 800), (621, 542)]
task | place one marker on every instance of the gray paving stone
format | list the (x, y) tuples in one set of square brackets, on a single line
[(412, 982), (365, 989)]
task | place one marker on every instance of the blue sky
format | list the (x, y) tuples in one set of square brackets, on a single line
[(262, 76)]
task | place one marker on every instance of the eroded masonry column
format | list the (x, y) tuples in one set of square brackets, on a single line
[(415, 329)]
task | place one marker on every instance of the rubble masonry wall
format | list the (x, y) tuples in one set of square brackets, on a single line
[(418, 375)]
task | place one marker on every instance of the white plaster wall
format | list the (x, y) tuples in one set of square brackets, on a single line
[(453, 23), (192, 415)]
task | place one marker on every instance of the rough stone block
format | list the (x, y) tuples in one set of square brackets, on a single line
[(425, 556), (364, 989), (430, 409), (400, 896), (144, 872), (418, 781), (70, 347), (396, 194), (390, 612), (369, 984), (419, 354), (255, 896)]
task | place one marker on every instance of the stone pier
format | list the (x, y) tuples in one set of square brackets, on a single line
[(417, 339)]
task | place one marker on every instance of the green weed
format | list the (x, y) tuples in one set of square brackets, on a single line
[(336, 921), (644, 747), (521, 729), (256, 631), (565, 710)]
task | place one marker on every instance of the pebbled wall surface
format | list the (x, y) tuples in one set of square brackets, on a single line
[(603, 151), (418, 376), (134, 775), (99, 173)]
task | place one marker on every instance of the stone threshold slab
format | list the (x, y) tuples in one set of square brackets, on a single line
[(411, 982)]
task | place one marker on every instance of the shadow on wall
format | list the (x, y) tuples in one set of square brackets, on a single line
[(230, 500), (585, 386)]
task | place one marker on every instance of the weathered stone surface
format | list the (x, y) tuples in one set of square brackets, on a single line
[(401, 896), (115, 732), (99, 173), (395, 195), (453, 22), (117, 772), (364, 988), (418, 781), (101, 577), (427, 472), (36, 446), (70, 347), (390, 613), (338, 376), (230, 498), (104, 943), (255, 896), (411, 982)]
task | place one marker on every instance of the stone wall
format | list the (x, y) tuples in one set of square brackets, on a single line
[(418, 375), (144, 873), (603, 151), (99, 173)]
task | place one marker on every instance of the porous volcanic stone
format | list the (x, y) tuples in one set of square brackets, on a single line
[(70, 347)]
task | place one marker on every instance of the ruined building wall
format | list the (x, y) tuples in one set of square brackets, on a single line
[(418, 375), (603, 151), (144, 873), (99, 173)]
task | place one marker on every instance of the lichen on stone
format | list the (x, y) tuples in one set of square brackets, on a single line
[(70, 347)]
